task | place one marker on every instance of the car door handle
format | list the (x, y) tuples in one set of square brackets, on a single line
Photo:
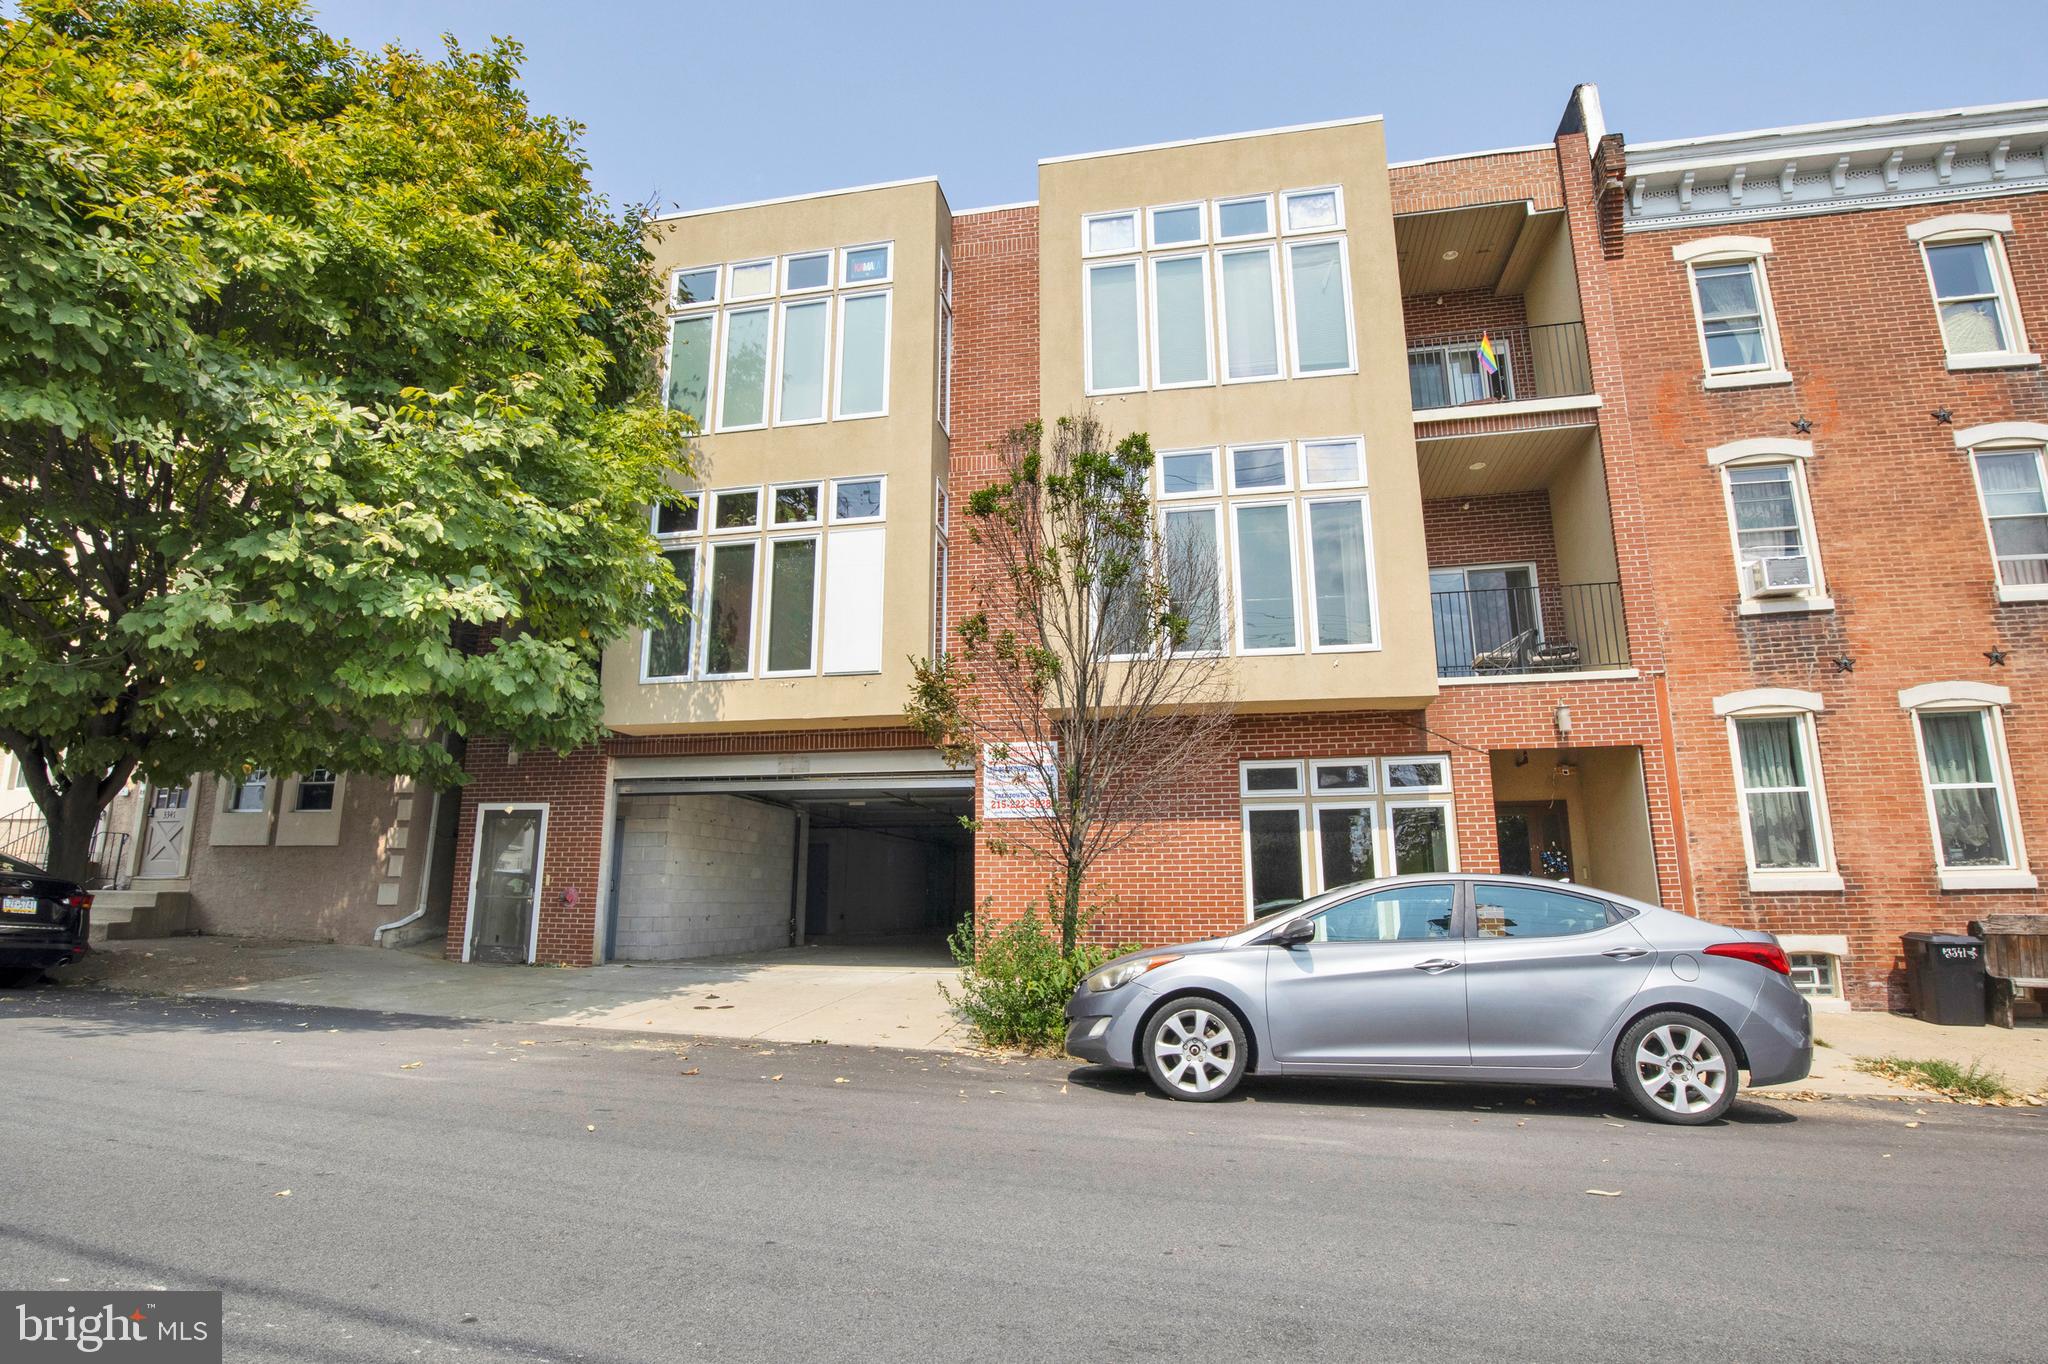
[(1626, 953), (1437, 965)]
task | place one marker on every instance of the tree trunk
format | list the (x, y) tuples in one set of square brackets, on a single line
[(1070, 908), (71, 828)]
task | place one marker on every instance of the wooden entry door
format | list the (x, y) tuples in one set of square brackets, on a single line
[(504, 892), (1535, 839), (166, 833)]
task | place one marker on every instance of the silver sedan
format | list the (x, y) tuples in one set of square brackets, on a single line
[(1479, 978)]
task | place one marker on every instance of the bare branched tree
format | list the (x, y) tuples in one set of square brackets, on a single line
[(1091, 666)]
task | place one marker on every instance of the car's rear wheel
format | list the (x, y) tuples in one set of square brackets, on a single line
[(1194, 1049), (1677, 1068)]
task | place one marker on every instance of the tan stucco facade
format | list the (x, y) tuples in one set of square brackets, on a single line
[(907, 445), (1373, 401)]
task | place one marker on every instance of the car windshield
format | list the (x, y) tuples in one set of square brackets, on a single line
[(1267, 914)]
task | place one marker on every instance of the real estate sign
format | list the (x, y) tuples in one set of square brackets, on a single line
[(1018, 781)]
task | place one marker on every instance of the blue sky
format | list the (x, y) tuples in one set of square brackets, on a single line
[(695, 104)]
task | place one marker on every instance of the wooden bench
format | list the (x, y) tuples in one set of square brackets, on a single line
[(2015, 959)]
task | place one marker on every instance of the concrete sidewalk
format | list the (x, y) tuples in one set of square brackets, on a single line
[(854, 996)]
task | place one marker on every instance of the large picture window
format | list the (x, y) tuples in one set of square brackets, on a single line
[(1317, 824)]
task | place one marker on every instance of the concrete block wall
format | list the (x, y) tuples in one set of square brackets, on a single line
[(703, 876)]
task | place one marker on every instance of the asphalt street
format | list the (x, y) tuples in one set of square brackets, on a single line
[(477, 1191)]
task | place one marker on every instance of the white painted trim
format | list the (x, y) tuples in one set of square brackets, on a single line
[(1768, 699), (1298, 765), (1450, 812), (1818, 208), (1303, 837), (796, 198), (1342, 240), (1200, 256), (1743, 247), (1289, 504), (1752, 378), (1219, 137), (2030, 433), (1813, 598), (1969, 878), (1374, 625), (1874, 124), (1246, 246), (1835, 945), (1954, 694), (995, 208), (1997, 359), (1959, 222), (1591, 675), (1784, 606), (1440, 788), (1794, 882), (1755, 447), (540, 856), (1525, 407), (1089, 265), (887, 294), (2023, 593)]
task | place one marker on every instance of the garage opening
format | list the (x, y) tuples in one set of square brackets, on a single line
[(707, 873)]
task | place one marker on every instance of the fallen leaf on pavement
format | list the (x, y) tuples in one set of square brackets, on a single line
[(412, 1065), (1605, 1193), (775, 1077), (526, 1044), (691, 1071), (590, 1127), (1912, 1124), (839, 1079), (282, 1193)]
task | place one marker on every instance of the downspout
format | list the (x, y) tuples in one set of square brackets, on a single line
[(419, 908)]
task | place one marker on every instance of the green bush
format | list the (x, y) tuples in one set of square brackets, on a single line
[(1014, 981)]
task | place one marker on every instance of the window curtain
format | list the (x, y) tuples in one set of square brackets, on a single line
[(1966, 796), (1780, 821)]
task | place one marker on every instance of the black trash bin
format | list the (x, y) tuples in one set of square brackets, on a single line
[(1945, 978)]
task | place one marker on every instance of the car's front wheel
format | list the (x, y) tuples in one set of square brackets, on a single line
[(1677, 1068), (1195, 1049)]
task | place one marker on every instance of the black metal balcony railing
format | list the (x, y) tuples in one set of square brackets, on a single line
[(1546, 628), (1450, 370)]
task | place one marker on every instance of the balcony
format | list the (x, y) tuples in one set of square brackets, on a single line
[(1496, 365), (1498, 622)]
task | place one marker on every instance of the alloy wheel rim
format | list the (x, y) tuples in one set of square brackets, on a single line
[(1681, 1069), (1194, 1049)]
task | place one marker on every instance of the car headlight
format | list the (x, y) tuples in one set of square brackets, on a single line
[(1112, 977)]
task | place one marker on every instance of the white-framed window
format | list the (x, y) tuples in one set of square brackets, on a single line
[(1770, 517), (858, 499), (1248, 312), (250, 795), (2013, 493), (735, 509), (1339, 535), (865, 265), (1244, 218), (1192, 538), (1312, 210), (778, 344), (803, 343), (1816, 973), (941, 595), (1109, 234), (1731, 300), (1975, 303), (1187, 473), (667, 649), (861, 378), (795, 504), (1261, 468), (1175, 225), (316, 791), (730, 598), (750, 279), (1183, 350), (1319, 301), (694, 287), (945, 395), (743, 369), (1959, 734), (807, 272), (1313, 825), (791, 645), (1112, 309), (1337, 463), (1268, 597), (1774, 754)]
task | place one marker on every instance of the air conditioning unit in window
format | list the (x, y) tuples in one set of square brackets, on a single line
[(1782, 577)]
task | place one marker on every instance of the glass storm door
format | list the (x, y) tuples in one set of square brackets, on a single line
[(507, 890)]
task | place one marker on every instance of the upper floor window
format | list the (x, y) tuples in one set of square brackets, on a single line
[(1785, 832), (1283, 559), (316, 791), (1974, 299), (1777, 555), (756, 574), (1238, 311), (1960, 732), (749, 358), (250, 795), (1732, 306), (2006, 460)]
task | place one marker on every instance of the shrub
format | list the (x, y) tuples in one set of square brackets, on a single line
[(1014, 981)]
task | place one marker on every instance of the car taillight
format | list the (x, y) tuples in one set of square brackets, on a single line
[(78, 900), (1768, 955)]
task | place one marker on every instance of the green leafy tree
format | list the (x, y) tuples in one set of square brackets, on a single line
[(1091, 664), (317, 367)]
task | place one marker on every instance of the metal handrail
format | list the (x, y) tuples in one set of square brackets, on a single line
[(1546, 628)]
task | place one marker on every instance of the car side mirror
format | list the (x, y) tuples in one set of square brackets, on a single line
[(1293, 933)]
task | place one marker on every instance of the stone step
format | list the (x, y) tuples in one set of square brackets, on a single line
[(118, 915)]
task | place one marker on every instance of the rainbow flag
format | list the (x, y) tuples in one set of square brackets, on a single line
[(1487, 355)]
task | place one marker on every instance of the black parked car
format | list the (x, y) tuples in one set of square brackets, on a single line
[(43, 920)]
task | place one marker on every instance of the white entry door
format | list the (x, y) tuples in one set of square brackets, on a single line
[(166, 833)]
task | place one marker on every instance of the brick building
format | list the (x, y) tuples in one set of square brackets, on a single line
[(1554, 605)]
